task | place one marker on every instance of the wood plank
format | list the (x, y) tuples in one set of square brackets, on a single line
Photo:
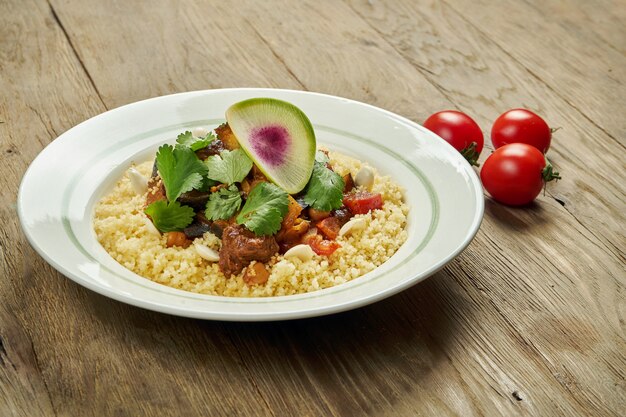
[(488, 335), (463, 78), (65, 350), (585, 71), (604, 18), (274, 31), (168, 47), (478, 78), (41, 85)]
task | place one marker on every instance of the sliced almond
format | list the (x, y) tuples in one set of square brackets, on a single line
[(138, 181), (207, 253), (352, 226), (364, 178), (199, 132), (302, 252)]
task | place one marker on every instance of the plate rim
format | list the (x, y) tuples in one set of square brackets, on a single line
[(268, 316)]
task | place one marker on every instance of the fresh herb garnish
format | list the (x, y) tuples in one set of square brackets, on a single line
[(265, 208), (169, 217), (180, 169), (188, 140), (223, 204), (229, 167), (324, 191)]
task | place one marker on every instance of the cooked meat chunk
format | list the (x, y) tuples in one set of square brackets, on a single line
[(240, 247), (201, 225), (214, 148), (343, 215), (218, 226), (196, 199)]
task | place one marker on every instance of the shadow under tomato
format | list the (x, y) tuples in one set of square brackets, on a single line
[(516, 218)]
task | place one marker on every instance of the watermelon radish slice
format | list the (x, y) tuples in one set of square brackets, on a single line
[(278, 137)]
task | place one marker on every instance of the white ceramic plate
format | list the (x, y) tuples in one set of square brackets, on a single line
[(59, 190)]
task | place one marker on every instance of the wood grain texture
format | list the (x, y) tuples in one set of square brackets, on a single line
[(577, 64), (414, 30), (167, 47), (529, 320)]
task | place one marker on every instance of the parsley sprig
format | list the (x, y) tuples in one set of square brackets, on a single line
[(324, 191), (188, 140), (229, 167), (223, 204), (169, 217), (181, 171), (264, 210)]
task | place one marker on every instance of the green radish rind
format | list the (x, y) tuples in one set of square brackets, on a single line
[(293, 172)]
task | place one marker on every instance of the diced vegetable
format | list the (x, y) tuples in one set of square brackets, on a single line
[(317, 215), (320, 246), (226, 135), (349, 183), (293, 211), (363, 202), (329, 227), (256, 274), (177, 239)]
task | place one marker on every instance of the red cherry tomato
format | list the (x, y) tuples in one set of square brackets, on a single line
[(363, 202), (329, 227), (460, 131), (515, 174), (521, 126), (319, 245)]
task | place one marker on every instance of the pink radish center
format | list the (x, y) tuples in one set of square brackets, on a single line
[(270, 143)]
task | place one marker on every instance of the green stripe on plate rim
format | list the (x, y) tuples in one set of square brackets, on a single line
[(198, 296)]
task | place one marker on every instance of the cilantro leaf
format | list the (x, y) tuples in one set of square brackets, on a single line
[(188, 140), (206, 185), (264, 210), (223, 204), (180, 169), (169, 217), (229, 167), (325, 189)]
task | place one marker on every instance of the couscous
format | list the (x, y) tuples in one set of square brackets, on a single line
[(213, 215)]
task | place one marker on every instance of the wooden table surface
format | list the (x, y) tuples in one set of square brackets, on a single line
[(529, 320)]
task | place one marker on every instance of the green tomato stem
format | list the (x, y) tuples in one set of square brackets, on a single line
[(549, 173), (471, 155)]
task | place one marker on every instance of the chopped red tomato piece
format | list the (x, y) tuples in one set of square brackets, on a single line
[(363, 202), (320, 246), (329, 227)]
